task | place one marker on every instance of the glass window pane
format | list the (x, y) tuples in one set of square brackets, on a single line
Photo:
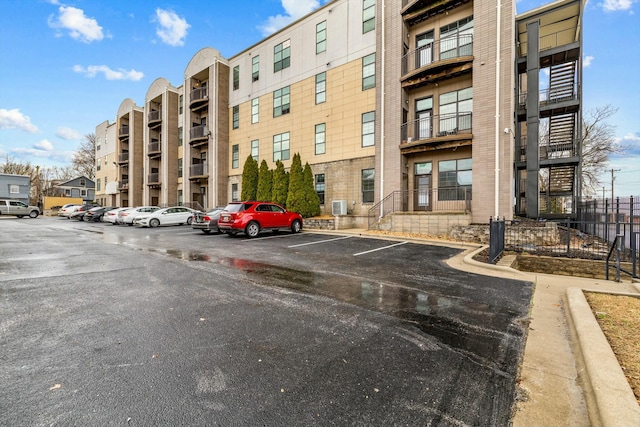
[(447, 165)]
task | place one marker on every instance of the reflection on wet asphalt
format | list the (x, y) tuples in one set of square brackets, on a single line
[(479, 336)]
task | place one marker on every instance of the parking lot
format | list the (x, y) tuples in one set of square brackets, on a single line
[(170, 326)]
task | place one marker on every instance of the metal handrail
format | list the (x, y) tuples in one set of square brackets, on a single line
[(436, 126), (437, 51)]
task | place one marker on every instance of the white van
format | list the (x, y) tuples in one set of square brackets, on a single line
[(17, 208)]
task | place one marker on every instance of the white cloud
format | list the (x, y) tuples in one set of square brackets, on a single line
[(587, 61), (14, 119), (616, 5), (79, 26), (68, 133), (171, 28), (109, 74), (293, 10), (43, 145)]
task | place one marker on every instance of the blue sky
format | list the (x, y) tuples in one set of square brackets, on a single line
[(67, 65)]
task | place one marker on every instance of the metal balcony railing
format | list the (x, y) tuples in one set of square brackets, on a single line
[(153, 178), (436, 126), (154, 116), (551, 41), (124, 130), (124, 184), (199, 94), (198, 170), (455, 199), (552, 96), (123, 157), (153, 147), (198, 132), (436, 51)]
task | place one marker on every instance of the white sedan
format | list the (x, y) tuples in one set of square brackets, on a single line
[(176, 215)]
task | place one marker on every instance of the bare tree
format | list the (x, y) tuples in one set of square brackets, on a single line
[(14, 167), (598, 143), (84, 159)]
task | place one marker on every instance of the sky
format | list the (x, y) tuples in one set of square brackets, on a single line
[(66, 66)]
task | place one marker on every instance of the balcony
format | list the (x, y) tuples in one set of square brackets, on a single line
[(436, 132), (198, 135), (439, 60), (416, 11), (123, 132), (199, 98), (123, 185), (123, 158), (153, 180), (198, 171), (154, 118), (153, 149)]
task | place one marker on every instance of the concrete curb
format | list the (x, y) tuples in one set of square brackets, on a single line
[(613, 402)]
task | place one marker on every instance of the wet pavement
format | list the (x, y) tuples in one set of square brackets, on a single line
[(107, 325)]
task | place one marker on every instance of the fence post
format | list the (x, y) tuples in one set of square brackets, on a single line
[(568, 237), (496, 238), (634, 248)]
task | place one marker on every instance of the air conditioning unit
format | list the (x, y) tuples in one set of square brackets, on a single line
[(339, 207)]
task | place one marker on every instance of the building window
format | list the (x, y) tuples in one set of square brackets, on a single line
[(255, 68), (454, 179), (455, 111), (456, 39), (321, 141), (180, 136), (83, 182), (321, 37), (236, 77), (282, 56), (367, 185), (98, 165), (369, 71), (281, 100), (321, 88), (281, 146), (255, 110), (236, 116), (83, 193), (180, 168), (235, 156), (181, 103), (369, 129), (98, 144), (255, 149), (319, 178), (234, 192), (368, 15), (98, 184), (180, 199), (14, 189)]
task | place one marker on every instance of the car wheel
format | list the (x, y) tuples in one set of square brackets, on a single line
[(206, 231), (232, 233), (252, 230), (129, 223), (189, 220), (296, 226), (153, 223), (33, 214)]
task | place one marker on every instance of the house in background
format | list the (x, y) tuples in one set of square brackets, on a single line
[(78, 187), (16, 187)]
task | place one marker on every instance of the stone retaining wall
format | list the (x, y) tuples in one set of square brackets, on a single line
[(568, 266)]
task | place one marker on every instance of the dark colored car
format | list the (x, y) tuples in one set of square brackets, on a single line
[(207, 221), (96, 214), (253, 217), (82, 210)]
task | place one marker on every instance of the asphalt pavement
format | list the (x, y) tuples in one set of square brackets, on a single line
[(105, 325)]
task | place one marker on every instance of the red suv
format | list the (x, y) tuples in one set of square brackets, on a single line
[(253, 217)]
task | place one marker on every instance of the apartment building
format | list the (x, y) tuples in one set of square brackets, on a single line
[(411, 106), (106, 185)]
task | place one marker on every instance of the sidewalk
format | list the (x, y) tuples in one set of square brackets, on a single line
[(569, 375)]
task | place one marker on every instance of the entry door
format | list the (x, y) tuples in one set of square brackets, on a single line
[(424, 124), (423, 193), (424, 49)]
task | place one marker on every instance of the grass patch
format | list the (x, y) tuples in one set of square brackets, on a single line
[(619, 319)]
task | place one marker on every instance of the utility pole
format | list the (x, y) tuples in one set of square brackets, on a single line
[(613, 178)]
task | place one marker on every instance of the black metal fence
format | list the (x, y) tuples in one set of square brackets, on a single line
[(591, 235), (496, 238)]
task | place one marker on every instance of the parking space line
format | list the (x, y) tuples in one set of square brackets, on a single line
[(379, 249), (275, 236), (320, 241)]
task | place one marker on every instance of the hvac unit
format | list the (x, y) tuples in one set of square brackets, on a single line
[(339, 207)]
